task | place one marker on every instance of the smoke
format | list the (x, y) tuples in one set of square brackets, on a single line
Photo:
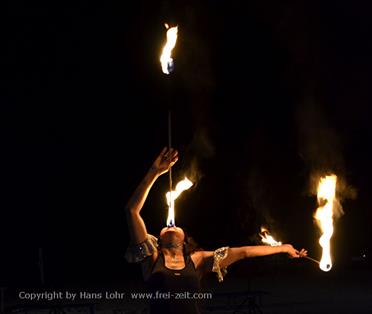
[(197, 85), (320, 147), (199, 150), (259, 207), (256, 201), (322, 152)]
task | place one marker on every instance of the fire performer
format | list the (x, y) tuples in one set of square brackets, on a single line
[(169, 267)]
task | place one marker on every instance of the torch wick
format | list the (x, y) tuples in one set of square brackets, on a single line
[(312, 259)]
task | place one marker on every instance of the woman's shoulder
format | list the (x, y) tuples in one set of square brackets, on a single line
[(199, 257), (148, 263)]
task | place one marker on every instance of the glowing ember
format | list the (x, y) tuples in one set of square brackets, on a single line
[(324, 217), (267, 238), (180, 187), (166, 56)]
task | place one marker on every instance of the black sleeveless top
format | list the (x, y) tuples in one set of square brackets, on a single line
[(173, 290)]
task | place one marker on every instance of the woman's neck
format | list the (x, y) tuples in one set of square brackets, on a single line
[(172, 245), (172, 251)]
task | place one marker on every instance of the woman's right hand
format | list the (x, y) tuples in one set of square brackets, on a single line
[(167, 158)]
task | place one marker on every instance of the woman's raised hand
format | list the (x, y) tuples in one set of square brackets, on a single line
[(167, 158)]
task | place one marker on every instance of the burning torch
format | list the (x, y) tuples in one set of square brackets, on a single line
[(326, 195), (167, 66)]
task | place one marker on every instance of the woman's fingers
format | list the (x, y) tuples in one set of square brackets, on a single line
[(175, 156), (301, 253), (168, 153), (297, 253)]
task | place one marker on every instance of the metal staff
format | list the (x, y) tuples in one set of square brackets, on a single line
[(312, 259), (172, 223)]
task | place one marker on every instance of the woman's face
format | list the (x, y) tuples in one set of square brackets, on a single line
[(172, 234)]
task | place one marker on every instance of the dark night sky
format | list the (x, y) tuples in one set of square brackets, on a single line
[(264, 95)]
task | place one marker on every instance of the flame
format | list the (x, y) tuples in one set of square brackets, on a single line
[(267, 238), (181, 186), (324, 217), (166, 56)]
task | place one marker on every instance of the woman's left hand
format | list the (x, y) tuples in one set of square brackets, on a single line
[(292, 252)]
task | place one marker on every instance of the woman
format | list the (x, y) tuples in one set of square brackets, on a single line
[(171, 272)]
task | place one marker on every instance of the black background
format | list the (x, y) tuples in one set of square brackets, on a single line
[(264, 96)]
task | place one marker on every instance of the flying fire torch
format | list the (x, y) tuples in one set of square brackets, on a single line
[(269, 240)]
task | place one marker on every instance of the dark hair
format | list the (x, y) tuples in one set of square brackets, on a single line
[(190, 244)]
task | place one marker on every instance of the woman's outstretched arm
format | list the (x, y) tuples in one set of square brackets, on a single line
[(137, 228), (210, 260), (235, 254)]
